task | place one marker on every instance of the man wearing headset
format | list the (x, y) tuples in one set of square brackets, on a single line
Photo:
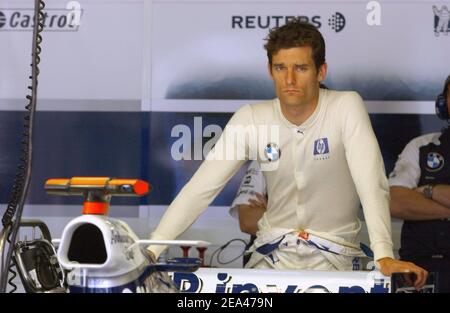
[(420, 195)]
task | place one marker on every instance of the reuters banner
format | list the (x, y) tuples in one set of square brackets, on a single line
[(373, 47)]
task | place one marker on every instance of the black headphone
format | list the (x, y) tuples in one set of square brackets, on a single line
[(441, 102)]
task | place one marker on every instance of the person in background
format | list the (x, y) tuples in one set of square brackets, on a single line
[(420, 195), (250, 203)]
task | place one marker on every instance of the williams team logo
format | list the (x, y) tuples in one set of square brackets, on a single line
[(321, 149), (435, 162), (441, 20)]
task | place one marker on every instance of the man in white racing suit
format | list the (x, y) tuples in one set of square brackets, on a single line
[(319, 157)]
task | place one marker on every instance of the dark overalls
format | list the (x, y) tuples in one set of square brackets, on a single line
[(427, 243)]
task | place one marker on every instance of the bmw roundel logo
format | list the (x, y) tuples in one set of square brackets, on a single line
[(272, 152), (435, 161)]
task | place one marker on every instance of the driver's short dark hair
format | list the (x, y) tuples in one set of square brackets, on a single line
[(296, 33)]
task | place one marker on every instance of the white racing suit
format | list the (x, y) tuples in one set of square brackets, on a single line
[(281, 248)]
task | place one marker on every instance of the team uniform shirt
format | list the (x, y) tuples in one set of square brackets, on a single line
[(316, 173), (290, 250), (252, 183), (424, 161), (407, 171)]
